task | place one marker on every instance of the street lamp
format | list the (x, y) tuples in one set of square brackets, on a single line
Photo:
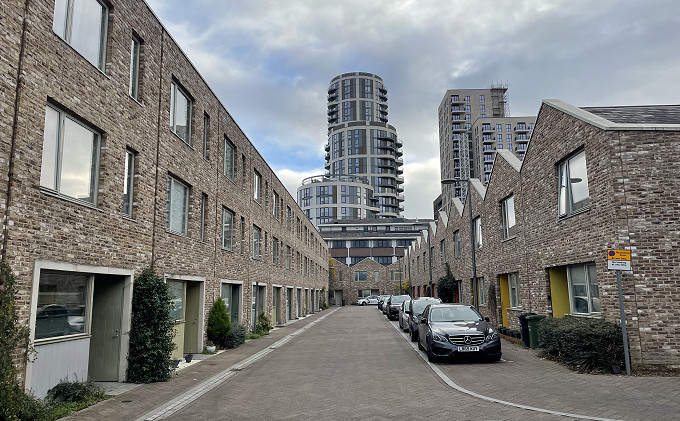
[(472, 239)]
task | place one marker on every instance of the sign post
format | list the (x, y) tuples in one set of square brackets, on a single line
[(619, 260)]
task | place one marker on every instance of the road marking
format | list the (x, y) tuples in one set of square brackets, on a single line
[(167, 409), (461, 389)]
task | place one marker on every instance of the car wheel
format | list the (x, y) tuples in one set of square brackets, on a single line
[(414, 336), (420, 346), (364, 303)]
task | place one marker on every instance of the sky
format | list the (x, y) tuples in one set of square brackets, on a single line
[(271, 62)]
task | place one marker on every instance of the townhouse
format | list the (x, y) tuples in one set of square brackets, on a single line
[(592, 179), (117, 156)]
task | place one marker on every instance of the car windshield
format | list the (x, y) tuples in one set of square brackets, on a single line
[(454, 314), (398, 299), (419, 305), (405, 305)]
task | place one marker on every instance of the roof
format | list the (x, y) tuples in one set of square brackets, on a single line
[(376, 221), (644, 114)]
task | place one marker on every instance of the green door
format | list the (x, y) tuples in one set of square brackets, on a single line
[(107, 310)]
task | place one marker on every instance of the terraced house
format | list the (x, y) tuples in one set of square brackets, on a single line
[(592, 179), (116, 155)]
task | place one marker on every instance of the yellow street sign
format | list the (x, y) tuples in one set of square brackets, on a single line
[(618, 255)]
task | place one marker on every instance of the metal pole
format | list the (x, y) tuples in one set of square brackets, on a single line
[(475, 293), (429, 254), (257, 287), (624, 332), (400, 292)]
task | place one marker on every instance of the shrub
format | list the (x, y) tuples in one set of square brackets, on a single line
[(236, 336), (264, 324), (446, 286), (73, 392), (14, 402), (252, 336), (151, 331), (583, 343), (218, 323)]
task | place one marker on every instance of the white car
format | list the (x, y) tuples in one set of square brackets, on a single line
[(372, 299)]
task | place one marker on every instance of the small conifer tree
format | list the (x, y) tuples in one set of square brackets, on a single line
[(219, 324)]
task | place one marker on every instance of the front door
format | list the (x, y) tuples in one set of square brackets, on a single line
[(289, 304), (107, 309), (338, 297), (178, 294), (191, 317)]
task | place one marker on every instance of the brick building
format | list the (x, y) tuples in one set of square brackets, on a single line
[(362, 279), (593, 178), (116, 155)]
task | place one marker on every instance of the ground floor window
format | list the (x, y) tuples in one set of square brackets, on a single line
[(584, 294), (367, 292), (231, 294), (481, 287), (514, 290), (178, 296), (62, 304)]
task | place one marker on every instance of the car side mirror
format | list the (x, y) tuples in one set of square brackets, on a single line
[(487, 319), (407, 311), (421, 321)]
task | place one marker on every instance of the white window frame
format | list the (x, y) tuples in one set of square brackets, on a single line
[(513, 290), (478, 232), (135, 47), (357, 276), (592, 311), (456, 244), (481, 288), (227, 229), (64, 29), (257, 242), (442, 250), (508, 220), (257, 186), (229, 161), (52, 180), (275, 251), (565, 200), (276, 206), (168, 207), (129, 183), (174, 90)]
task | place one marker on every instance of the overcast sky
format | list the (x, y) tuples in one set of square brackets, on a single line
[(270, 63)]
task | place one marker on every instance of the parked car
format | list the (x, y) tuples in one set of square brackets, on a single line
[(393, 304), (449, 330), (414, 311), (381, 301), (371, 299), (403, 315)]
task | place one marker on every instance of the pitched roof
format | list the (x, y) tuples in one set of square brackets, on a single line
[(641, 114)]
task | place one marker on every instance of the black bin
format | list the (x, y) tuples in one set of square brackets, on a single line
[(524, 327), (343, 302)]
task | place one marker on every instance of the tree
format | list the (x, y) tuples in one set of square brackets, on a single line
[(151, 331), (446, 286), (219, 324)]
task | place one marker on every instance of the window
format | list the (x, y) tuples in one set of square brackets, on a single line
[(180, 113), (275, 251), (360, 243), (289, 217), (229, 159), (508, 127), (70, 160), (583, 289), (243, 172), (257, 186), (134, 68), (227, 229), (478, 233), (178, 295), (206, 131), (442, 251), (176, 206), (276, 210), (573, 195), (257, 234), (481, 99), (508, 217), (129, 183), (82, 24), (360, 276), (204, 207), (481, 297), (62, 304), (376, 276), (514, 290), (288, 253)]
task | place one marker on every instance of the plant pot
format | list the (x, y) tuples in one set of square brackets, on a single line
[(174, 363), (210, 348), (188, 357)]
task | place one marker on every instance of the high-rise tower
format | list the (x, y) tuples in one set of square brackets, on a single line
[(363, 156)]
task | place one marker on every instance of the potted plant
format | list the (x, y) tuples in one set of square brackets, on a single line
[(188, 357), (210, 346)]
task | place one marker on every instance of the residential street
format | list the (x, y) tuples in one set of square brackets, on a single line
[(354, 364)]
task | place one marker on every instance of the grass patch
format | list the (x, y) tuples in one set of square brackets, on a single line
[(252, 336)]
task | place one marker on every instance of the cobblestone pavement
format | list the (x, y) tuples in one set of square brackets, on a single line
[(354, 364)]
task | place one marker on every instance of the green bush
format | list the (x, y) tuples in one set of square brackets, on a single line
[(236, 336), (15, 404), (583, 343), (73, 392), (219, 324), (252, 336), (264, 324), (151, 331)]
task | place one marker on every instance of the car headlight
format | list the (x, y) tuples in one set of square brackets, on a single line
[(491, 336), (439, 337)]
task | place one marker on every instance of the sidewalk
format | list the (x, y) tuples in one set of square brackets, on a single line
[(141, 399)]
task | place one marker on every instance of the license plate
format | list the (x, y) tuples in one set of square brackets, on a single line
[(468, 348)]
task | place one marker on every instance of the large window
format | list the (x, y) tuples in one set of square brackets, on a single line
[(573, 195), (180, 113), (176, 206), (204, 208), (583, 289), (70, 160), (229, 159), (456, 244), (206, 135), (134, 67), (275, 251), (178, 296), (231, 294), (478, 233), (129, 183), (82, 24), (442, 251), (508, 217), (288, 254), (276, 207), (360, 276), (62, 304), (257, 186), (513, 286), (257, 238), (227, 229), (481, 288)]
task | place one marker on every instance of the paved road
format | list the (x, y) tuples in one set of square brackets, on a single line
[(354, 364)]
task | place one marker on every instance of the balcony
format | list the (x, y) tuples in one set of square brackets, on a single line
[(488, 157), (332, 120), (331, 90), (400, 170), (399, 161), (400, 188), (383, 119), (400, 152), (327, 147), (457, 127), (457, 118), (522, 139), (488, 140), (333, 97), (327, 166), (399, 143), (328, 156), (400, 179), (400, 197), (487, 128), (522, 128)]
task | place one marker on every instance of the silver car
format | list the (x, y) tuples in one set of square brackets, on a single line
[(404, 316), (372, 299)]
